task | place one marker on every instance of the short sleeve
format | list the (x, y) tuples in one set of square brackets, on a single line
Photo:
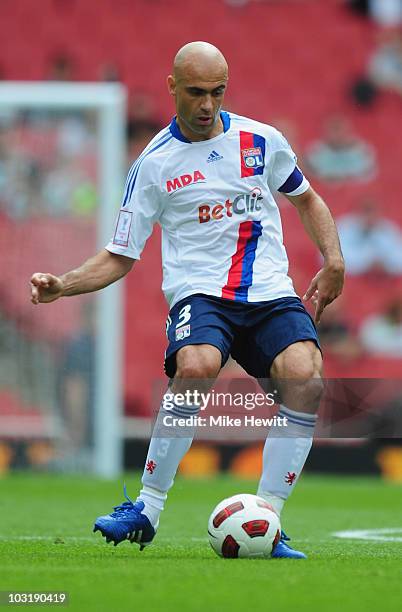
[(140, 210), (284, 174)]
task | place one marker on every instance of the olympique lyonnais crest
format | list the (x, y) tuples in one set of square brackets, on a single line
[(182, 332), (252, 154), (252, 158)]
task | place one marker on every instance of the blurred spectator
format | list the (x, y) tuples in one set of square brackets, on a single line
[(109, 73), (237, 3), (385, 66), (370, 243), (336, 335), (68, 189), (61, 68), (77, 389), (21, 183), (387, 13), (381, 334), (4, 156), (73, 136), (363, 91), (48, 165), (340, 155), (359, 6)]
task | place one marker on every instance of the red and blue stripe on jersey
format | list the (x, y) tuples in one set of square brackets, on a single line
[(248, 142), (240, 276)]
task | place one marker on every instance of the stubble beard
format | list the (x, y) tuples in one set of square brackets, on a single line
[(199, 129)]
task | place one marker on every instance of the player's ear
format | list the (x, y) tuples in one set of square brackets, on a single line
[(171, 83)]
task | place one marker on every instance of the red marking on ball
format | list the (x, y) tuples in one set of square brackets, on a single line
[(230, 548), (256, 529), (226, 512)]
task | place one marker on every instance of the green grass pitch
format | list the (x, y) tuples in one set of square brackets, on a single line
[(46, 544)]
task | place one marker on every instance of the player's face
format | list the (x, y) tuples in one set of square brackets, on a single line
[(198, 103)]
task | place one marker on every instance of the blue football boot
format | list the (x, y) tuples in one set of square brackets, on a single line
[(126, 523), (284, 551)]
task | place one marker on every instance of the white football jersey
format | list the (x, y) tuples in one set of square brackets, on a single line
[(221, 227)]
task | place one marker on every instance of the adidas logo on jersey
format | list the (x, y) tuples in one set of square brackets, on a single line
[(214, 156)]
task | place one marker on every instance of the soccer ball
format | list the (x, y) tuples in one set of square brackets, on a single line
[(244, 526)]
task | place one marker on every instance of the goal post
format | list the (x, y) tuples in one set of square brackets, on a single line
[(106, 101)]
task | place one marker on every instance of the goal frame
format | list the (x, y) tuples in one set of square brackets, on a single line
[(109, 101)]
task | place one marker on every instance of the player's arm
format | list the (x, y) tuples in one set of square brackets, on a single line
[(320, 226), (140, 209), (96, 273)]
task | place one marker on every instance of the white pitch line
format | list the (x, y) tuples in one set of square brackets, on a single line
[(28, 538), (376, 535), (199, 539), (180, 541), (93, 539)]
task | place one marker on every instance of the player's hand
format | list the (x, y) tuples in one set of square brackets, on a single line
[(324, 288), (45, 288)]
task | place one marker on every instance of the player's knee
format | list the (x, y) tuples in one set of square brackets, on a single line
[(302, 395), (193, 371), (310, 391), (298, 370), (301, 361), (198, 363)]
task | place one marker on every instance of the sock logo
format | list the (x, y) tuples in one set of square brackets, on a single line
[(150, 467), (290, 478)]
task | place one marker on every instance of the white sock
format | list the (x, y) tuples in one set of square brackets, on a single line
[(164, 456), (154, 501), (285, 456)]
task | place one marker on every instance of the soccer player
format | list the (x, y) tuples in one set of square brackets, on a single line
[(208, 180)]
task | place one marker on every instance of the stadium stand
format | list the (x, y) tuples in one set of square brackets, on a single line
[(275, 74)]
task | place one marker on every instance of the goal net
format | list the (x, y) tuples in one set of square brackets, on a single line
[(62, 151)]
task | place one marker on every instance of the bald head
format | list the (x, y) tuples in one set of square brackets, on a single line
[(198, 85), (200, 60)]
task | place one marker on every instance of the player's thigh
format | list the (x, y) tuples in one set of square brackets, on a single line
[(200, 338), (274, 327), (283, 345)]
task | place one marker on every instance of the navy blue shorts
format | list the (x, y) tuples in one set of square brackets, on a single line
[(253, 333)]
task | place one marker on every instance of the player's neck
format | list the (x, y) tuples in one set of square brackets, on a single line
[(216, 129)]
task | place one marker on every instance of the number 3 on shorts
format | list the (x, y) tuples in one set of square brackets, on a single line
[(184, 315)]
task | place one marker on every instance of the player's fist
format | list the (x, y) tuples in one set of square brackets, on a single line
[(45, 288)]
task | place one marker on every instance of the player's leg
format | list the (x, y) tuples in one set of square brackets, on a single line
[(282, 344), (199, 343), (197, 367), (297, 372)]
